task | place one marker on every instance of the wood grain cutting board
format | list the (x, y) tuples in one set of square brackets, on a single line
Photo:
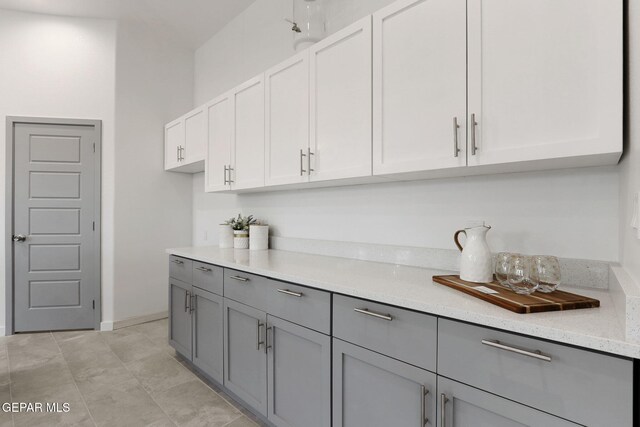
[(506, 298)]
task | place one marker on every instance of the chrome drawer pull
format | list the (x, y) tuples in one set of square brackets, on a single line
[(259, 342), (288, 292), (536, 355), (239, 278), (373, 314), (423, 411), (443, 407), (177, 261), (205, 269), (456, 126)]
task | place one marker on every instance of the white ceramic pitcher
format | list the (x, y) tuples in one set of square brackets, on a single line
[(475, 262)]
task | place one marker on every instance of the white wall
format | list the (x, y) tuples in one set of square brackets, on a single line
[(154, 85), (570, 213), (61, 67), (630, 170)]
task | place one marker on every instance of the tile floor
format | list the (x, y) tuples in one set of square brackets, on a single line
[(128, 377)]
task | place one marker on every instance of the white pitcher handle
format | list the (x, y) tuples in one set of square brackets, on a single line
[(455, 238)]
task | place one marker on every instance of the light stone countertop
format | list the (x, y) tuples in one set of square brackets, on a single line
[(411, 287)]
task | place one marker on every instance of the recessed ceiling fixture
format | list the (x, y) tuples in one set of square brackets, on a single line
[(307, 23)]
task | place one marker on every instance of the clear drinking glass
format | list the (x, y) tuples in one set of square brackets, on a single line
[(548, 271), (523, 278), (502, 268)]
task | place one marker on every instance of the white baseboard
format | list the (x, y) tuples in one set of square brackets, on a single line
[(106, 326), (118, 324)]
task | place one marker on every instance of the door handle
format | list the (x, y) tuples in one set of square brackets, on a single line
[(259, 342), (456, 126), (267, 346), (204, 269), (192, 303), (373, 314), (239, 278), (230, 181), (423, 410), (309, 154), (443, 406), (474, 124), (288, 292), (186, 295), (535, 354), (19, 238), (302, 156)]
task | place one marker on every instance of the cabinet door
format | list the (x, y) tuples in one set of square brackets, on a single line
[(299, 375), (248, 135), (468, 406), (341, 104), (287, 121), (173, 143), (180, 317), (195, 129), (545, 79), (419, 86), (370, 389), (208, 333), (218, 159), (245, 362)]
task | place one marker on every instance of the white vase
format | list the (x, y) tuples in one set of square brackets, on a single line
[(225, 236), (476, 261), (241, 239), (258, 237)]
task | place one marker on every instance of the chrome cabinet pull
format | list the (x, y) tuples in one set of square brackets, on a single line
[(302, 155), (192, 303), (180, 153), (535, 354), (474, 124), (456, 126), (423, 410), (288, 292), (205, 269), (177, 261), (230, 180), (225, 175), (309, 154), (374, 314), (177, 153), (443, 407), (266, 338), (259, 325), (186, 295), (239, 278)]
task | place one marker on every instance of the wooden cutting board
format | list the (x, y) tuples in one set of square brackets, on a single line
[(506, 298)]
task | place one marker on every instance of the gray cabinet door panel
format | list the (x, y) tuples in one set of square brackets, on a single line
[(247, 288), (180, 317), (563, 387), (208, 333), (299, 375), (468, 406), (208, 277), (311, 309), (409, 336), (181, 269), (245, 362), (371, 390)]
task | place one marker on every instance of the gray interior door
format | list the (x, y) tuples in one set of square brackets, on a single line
[(56, 260)]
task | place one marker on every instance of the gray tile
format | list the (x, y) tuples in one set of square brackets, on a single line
[(133, 347), (75, 345), (163, 344), (194, 404), (31, 350), (78, 415), (159, 372), (92, 371), (6, 419), (157, 329), (4, 366), (125, 404), (242, 422), (42, 381)]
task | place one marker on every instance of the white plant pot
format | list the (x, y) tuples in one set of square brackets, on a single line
[(225, 233), (258, 237), (241, 239)]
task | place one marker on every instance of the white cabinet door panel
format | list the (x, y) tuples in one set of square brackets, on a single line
[(219, 112), (419, 86), (341, 104), (195, 127), (545, 79), (173, 141), (248, 135), (287, 121)]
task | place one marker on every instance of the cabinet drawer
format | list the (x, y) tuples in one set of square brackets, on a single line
[(298, 304), (181, 269), (579, 385), (246, 288), (395, 332), (208, 277)]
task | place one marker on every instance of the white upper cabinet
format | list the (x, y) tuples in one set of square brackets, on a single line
[(419, 86), (287, 121), (247, 155), (340, 97), (218, 160), (185, 142), (545, 81)]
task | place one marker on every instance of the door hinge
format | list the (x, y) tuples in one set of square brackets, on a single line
[(94, 304), (94, 226)]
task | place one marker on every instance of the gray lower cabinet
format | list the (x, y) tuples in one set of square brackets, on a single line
[(462, 405), (180, 317), (299, 375), (208, 332), (372, 390), (245, 365)]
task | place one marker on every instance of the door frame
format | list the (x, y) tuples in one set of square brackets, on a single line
[(9, 188)]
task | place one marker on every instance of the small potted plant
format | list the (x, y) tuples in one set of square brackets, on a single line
[(240, 227)]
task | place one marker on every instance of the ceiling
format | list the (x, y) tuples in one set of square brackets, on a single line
[(192, 22)]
